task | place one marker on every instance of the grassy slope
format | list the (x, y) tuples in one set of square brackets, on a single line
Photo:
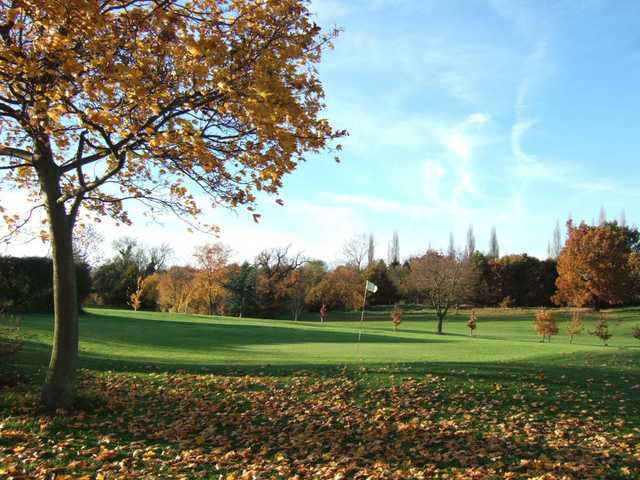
[(556, 409)]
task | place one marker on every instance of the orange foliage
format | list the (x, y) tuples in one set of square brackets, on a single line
[(545, 324), (396, 316), (596, 265), (576, 326), (472, 324)]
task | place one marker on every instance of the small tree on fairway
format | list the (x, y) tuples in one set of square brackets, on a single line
[(472, 324), (636, 332), (602, 329), (575, 327), (545, 324), (396, 316), (323, 312)]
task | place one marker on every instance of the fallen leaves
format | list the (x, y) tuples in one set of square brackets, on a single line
[(196, 426)]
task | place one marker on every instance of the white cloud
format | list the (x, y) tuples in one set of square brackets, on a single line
[(459, 144), (477, 118)]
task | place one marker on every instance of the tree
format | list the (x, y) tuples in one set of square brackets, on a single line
[(302, 280), (275, 268), (623, 218), (340, 288), (576, 326), (635, 332), (451, 251), (387, 293), (396, 317), (393, 255), (211, 261), (371, 251), (87, 241), (355, 250), (472, 324), (176, 289), (470, 249), (602, 216), (545, 324), (494, 248), (556, 242), (106, 101), (438, 278), (595, 267), (241, 284), (602, 329)]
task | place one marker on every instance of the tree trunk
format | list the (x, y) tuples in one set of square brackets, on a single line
[(59, 387), (440, 323)]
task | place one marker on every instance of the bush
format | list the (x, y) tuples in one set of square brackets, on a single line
[(26, 284), (636, 332), (602, 329)]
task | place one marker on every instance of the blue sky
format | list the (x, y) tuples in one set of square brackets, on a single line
[(500, 113)]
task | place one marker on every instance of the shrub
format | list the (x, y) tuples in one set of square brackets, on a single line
[(602, 329), (545, 324), (473, 322), (506, 302), (396, 316), (636, 332), (575, 327)]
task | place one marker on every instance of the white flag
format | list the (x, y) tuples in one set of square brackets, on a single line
[(371, 287)]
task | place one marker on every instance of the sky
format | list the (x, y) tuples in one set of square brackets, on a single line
[(472, 112)]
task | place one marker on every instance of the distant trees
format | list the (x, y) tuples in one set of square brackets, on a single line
[(387, 293), (598, 265), (396, 317), (438, 278)]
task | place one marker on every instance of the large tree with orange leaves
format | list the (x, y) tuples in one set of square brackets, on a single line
[(102, 101), (597, 265)]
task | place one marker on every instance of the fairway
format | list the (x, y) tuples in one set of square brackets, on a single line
[(127, 339), (187, 396)]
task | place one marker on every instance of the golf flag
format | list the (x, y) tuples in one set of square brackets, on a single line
[(371, 287)]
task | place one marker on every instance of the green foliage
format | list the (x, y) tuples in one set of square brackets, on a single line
[(241, 284), (26, 284), (387, 293)]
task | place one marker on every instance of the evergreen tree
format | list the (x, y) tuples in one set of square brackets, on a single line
[(471, 243), (371, 251)]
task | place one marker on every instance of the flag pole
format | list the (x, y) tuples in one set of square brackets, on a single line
[(364, 303)]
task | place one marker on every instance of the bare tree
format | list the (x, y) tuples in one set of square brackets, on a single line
[(86, 244), (371, 251), (393, 255), (276, 269), (440, 279), (494, 248), (355, 251), (471, 242)]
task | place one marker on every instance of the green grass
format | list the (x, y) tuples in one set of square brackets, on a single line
[(121, 339), (182, 372)]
